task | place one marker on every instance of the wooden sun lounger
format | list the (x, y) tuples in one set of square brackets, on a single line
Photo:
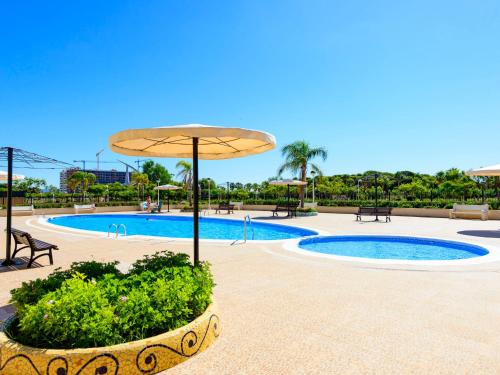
[(36, 246)]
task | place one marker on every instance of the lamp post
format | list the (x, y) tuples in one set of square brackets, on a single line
[(313, 173), (374, 176), (228, 192), (158, 184), (357, 195), (209, 183)]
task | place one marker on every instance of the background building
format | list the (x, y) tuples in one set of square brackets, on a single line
[(102, 177)]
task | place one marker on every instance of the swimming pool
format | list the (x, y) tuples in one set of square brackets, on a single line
[(392, 247), (182, 227)]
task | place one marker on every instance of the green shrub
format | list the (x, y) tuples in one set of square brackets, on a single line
[(77, 315), (87, 306), (31, 292), (159, 261)]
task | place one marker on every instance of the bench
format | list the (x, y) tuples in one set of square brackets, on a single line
[(290, 210), (479, 210), (26, 241), (84, 207), (238, 205), (23, 210), (374, 211), (225, 206)]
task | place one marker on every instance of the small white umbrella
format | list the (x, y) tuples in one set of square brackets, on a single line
[(492, 170), (166, 187), (4, 176)]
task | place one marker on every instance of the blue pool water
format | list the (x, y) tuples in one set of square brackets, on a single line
[(392, 247), (181, 227)]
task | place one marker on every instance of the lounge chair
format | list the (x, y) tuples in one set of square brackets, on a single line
[(157, 208), (36, 246)]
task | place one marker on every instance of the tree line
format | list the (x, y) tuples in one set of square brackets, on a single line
[(402, 186)]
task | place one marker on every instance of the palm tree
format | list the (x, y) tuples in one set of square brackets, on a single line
[(81, 179), (298, 156), (140, 180), (185, 172)]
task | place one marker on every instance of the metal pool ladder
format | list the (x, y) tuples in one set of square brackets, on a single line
[(117, 229), (248, 219)]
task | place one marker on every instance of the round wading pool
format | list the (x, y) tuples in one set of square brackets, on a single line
[(392, 247), (182, 227)]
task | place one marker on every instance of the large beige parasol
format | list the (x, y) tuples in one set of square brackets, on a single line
[(166, 187), (196, 141), (288, 183), (492, 170), (214, 142)]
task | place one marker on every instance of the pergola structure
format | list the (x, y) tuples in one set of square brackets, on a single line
[(21, 159), (288, 183)]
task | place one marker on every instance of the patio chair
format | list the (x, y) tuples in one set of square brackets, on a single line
[(157, 209)]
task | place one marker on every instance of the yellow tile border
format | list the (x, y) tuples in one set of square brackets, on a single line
[(148, 356)]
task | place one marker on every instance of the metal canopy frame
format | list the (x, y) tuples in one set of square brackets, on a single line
[(22, 159)]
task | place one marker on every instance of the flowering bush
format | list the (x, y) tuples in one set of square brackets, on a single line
[(32, 291), (162, 292)]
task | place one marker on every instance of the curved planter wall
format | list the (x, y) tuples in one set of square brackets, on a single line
[(148, 356)]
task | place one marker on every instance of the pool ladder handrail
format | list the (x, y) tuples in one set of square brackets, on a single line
[(117, 229), (110, 226), (248, 219)]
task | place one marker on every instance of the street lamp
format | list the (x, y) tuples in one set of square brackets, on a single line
[(158, 184), (357, 196), (313, 173), (209, 182), (375, 176)]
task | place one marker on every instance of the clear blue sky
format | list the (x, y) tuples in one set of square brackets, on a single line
[(383, 85)]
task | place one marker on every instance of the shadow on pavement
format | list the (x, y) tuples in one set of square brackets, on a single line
[(481, 233)]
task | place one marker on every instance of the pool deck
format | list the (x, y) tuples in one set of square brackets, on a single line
[(288, 313)]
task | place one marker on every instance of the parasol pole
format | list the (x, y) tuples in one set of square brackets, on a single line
[(196, 202)]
